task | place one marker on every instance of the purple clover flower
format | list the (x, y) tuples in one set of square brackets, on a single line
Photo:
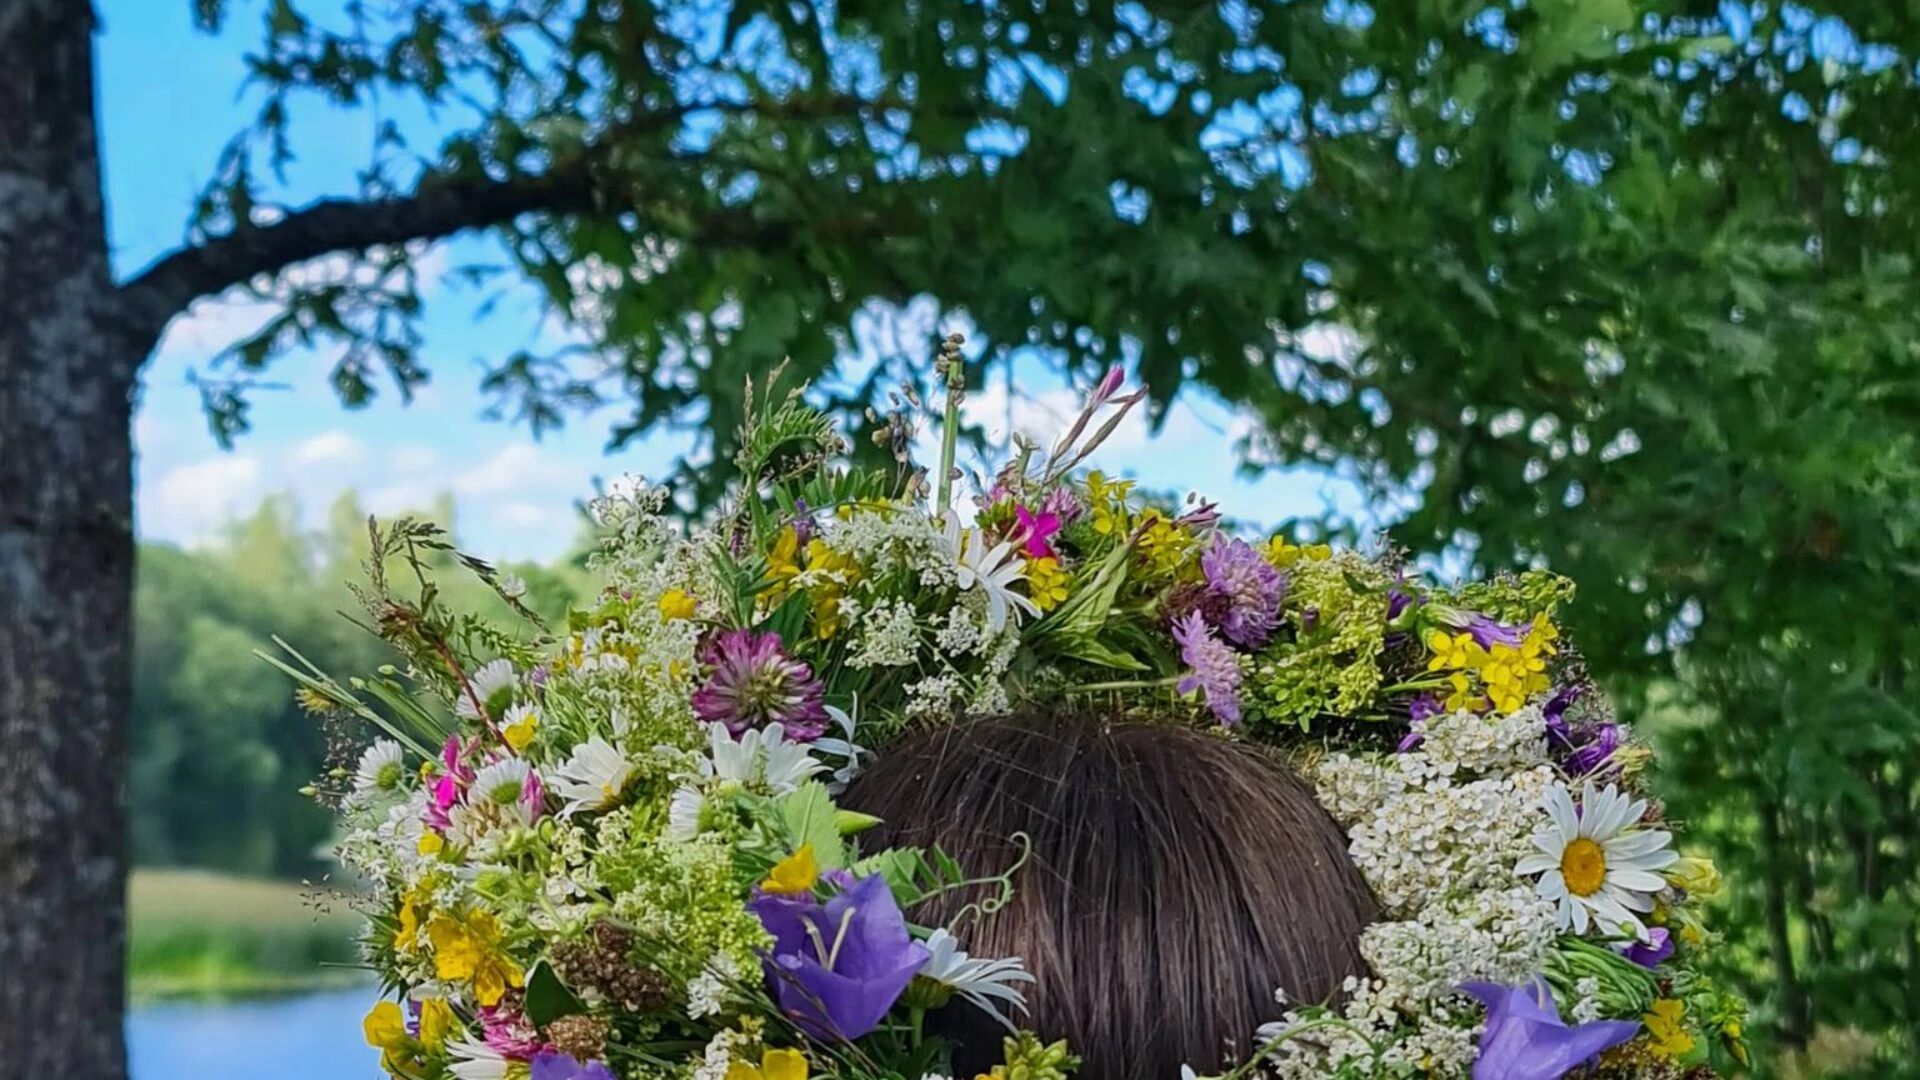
[(752, 682), (1214, 670), (558, 1066), (1251, 587), (837, 968), (507, 1031), (1063, 504), (1525, 1039)]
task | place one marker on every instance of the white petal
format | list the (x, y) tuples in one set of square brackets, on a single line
[(1553, 886), (1631, 844), (1560, 809), (1637, 880), (1536, 864)]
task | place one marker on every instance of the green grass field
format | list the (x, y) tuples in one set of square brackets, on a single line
[(198, 934)]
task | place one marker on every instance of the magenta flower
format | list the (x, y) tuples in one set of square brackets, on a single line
[(1108, 386), (508, 1033), (837, 968), (533, 795), (1251, 587), (1036, 530), (1213, 669), (1525, 1039), (752, 682)]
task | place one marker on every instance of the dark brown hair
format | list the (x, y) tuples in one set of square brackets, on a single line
[(1176, 881)]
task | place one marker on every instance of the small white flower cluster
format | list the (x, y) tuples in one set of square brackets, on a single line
[(887, 542), (718, 1060), (1499, 936), (889, 633), (1437, 832), (1434, 839), (1483, 745), (1376, 1037)]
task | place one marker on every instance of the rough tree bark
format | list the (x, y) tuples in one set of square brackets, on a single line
[(67, 363)]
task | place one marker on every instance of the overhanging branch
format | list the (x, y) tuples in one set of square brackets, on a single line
[(438, 208)]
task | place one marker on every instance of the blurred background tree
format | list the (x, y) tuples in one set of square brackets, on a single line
[(1625, 285)]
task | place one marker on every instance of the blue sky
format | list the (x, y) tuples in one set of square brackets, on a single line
[(170, 98)]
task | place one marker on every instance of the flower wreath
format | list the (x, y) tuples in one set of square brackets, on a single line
[(615, 851)]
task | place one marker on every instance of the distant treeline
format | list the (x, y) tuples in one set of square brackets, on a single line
[(220, 749)]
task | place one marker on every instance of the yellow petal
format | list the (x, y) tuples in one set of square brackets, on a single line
[(677, 604), (385, 1025), (794, 874), (783, 1064), (489, 985), (740, 1070), (520, 733), (436, 1021)]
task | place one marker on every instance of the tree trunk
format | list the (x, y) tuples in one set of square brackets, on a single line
[(67, 362)]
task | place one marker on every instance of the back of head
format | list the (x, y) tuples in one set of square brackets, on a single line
[(1177, 880)]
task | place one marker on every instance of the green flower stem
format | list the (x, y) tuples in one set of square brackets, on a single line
[(954, 376), (1124, 684)]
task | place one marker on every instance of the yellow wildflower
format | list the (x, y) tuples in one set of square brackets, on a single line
[(1463, 697), (436, 1022), (794, 874), (1283, 553), (1696, 874), (519, 732), (1108, 500), (1163, 543), (784, 561), (1046, 583), (471, 951), (1509, 676), (677, 604), (1459, 651), (782, 1064), (1667, 1026), (385, 1026), (430, 843), (406, 938), (837, 570)]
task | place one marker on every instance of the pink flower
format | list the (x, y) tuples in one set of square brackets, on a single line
[(752, 682), (1037, 530)]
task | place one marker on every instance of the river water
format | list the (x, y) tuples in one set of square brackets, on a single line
[(306, 1037)]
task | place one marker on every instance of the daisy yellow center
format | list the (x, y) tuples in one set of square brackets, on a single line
[(1584, 865)]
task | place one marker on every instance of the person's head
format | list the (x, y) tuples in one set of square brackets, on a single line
[(1177, 880)]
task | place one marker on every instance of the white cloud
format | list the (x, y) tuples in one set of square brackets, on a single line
[(329, 448), (192, 500), (524, 515), (414, 459), (396, 499), (517, 469)]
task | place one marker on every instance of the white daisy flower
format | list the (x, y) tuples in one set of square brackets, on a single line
[(759, 756), (492, 685), (593, 777), (982, 982), (475, 1060), (380, 769), (993, 570), (500, 783), (1597, 868)]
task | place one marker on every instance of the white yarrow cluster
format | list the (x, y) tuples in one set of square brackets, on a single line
[(1437, 832)]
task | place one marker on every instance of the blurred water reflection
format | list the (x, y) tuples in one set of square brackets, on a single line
[(306, 1037)]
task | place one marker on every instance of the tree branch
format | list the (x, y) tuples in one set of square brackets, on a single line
[(438, 208)]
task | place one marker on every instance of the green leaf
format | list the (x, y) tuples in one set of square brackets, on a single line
[(548, 999), (811, 818), (851, 822), (1093, 652)]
